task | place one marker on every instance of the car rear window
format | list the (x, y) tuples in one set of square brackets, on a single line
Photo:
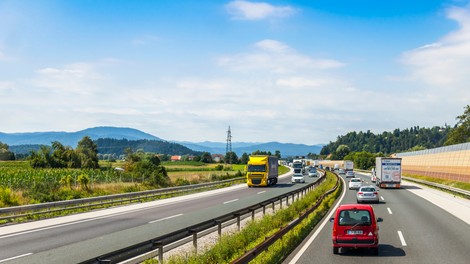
[(355, 180), (369, 189), (354, 217)]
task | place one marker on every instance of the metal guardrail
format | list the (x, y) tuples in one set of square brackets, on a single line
[(250, 255), (9, 213), (444, 187), (159, 242)]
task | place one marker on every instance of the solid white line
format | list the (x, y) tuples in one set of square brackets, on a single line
[(261, 192), (12, 258), (381, 197), (402, 239), (389, 211), (166, 218), (327, 219), (231, 201)]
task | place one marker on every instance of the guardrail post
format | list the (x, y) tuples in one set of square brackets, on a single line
[(238, 222), (287, 200), (219, 228), (252, 214), (264, 210), (273, 206), (159, 246), (194, 232), (280, 203)]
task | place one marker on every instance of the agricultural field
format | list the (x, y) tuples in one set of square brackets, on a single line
[(20, 184)]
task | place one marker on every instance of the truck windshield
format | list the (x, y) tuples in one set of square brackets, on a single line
[(297, 165), (256, 168)]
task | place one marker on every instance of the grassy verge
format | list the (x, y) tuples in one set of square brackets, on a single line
[(232, 246), (456, 184)]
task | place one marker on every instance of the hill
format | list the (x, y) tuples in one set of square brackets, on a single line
[(25, 142), (71, 138), (286, 149)]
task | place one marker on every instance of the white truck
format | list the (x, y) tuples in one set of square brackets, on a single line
[(388, 172), (348, 165)]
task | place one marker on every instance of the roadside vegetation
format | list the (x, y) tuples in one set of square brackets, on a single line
[(456, 184), (232, 246)]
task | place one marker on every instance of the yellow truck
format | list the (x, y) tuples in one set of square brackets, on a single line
[(262, 170)]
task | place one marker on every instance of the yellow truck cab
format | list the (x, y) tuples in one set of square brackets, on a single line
[(262, 170)]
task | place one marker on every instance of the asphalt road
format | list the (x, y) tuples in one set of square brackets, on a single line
[(76, 238), (414, 230)]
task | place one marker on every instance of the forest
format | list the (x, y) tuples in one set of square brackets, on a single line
[(411, 139)]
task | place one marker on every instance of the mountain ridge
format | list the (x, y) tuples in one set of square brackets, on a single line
[(72, 138)]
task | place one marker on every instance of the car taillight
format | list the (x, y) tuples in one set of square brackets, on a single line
[(376, 193), (360, 193)]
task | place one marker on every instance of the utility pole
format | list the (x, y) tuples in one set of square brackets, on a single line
[(228, 148)]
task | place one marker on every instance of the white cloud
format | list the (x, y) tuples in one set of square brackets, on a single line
[(445, 63), (246, 10), (80, 78), (275, 57)]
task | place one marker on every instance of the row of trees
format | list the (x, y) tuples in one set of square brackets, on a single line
[(362, 148), (5, 153), (59, 156)]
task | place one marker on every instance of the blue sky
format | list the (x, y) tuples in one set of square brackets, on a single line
[(287, 71)]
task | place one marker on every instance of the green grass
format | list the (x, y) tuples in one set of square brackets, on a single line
[(456, 184)]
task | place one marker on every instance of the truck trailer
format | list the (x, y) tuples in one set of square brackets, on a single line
[(348, 165), (262, 170), (388, 172)]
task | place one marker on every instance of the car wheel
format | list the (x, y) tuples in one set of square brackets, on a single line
[(358, 201), (335, 250)]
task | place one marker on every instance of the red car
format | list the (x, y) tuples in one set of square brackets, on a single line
[(355, 226)]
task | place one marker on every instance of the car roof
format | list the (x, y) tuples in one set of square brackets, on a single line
[(368, 186), (355, 207)]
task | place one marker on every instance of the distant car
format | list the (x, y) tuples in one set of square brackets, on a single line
[(341, 171), (355, 183), (298, 177), (373, 178), (367, 194), (350, 174), (355, 226), (313, 173)]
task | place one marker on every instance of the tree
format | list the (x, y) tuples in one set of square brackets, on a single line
[(5, 154), (342, 151), (231, 157), (277, 153), (147, 167), (88, 153), (244, 158), (41, 158), (461, 133), (206, 157)]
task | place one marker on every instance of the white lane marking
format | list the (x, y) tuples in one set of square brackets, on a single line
[(67, 224), (402, 239), (389, 211), (12, 258), (165, 218), (381, 197), (327, 219), (231, 201), (261, 192)]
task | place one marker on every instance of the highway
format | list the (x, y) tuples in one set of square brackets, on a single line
[(415, 230), (74, 238)]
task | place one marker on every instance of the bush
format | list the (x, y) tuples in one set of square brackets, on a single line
[(83, 180), (7, 198)]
